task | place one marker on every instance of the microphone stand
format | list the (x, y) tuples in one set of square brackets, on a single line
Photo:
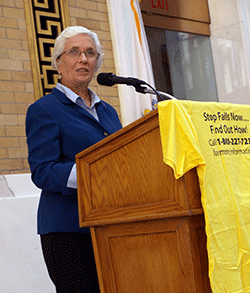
[(145, 90)]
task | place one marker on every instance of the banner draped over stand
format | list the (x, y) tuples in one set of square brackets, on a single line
[(132, 58)]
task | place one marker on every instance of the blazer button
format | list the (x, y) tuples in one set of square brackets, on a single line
[(105, 133)]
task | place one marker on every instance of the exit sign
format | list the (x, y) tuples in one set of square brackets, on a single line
[(159, 4)]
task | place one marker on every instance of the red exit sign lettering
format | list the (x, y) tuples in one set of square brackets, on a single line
[(160, 4)]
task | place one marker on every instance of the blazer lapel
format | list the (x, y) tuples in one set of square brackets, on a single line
[(105, 121), (63, 98)]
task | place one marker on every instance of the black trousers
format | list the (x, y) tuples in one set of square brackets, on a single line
[(70, 262)]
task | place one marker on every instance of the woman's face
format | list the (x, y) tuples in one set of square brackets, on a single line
[(78, 70)]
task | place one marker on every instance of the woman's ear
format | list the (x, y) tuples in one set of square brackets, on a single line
[(60, 74)]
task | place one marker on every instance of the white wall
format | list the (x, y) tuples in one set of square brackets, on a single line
[(230, 49), (22, 269)]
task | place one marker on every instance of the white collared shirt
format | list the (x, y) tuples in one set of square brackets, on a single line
[(80, 101)]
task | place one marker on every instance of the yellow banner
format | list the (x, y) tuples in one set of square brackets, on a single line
[(215, 138)]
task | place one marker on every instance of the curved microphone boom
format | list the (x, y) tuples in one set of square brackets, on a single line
[(110, 79)]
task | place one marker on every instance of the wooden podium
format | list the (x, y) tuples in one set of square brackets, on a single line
[(147, 227)]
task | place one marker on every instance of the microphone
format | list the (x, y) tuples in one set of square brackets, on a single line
[(110, 79)]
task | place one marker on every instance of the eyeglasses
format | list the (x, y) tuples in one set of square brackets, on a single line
[(75, 53)]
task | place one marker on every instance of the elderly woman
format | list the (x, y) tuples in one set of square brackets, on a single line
[(58, 126)]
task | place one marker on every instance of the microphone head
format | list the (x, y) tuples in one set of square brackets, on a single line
[(105, 79)]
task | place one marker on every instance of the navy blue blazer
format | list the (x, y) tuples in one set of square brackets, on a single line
[(57, 129)]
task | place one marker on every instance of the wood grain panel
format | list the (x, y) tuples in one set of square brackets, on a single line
[(123, 178), (139, 175), (155, 256)]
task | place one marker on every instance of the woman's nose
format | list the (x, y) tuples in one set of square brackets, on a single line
[(83, 57)]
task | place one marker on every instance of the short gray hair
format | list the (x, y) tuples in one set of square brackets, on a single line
[(69, 32)]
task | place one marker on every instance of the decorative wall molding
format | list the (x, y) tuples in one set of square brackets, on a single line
[(45, 20)]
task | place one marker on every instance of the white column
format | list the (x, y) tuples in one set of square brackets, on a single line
[(230, 49)]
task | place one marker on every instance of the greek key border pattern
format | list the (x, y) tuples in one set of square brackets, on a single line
[(45, 21)]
